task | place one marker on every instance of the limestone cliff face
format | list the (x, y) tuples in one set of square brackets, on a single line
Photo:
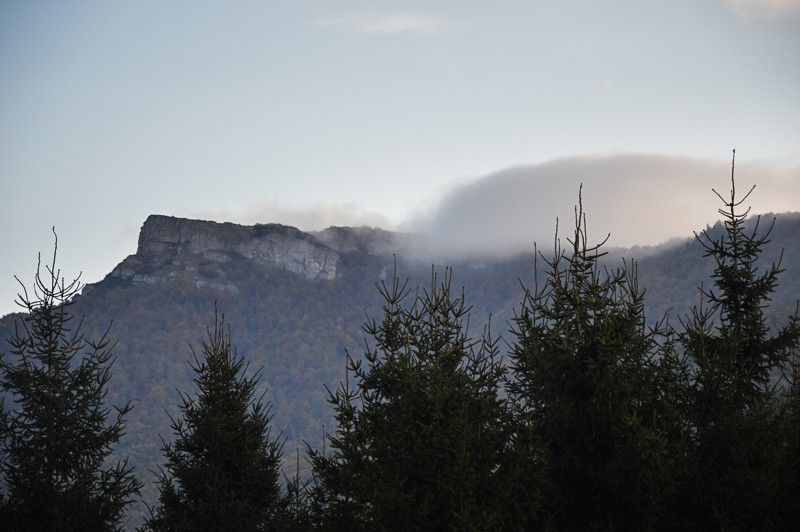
[(176, 247)]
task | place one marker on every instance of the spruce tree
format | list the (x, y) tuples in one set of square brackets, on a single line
[(56, 432), (590, 381), (736, 361), (421, 431), (222, 470)]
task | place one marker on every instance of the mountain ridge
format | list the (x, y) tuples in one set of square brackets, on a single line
[(295, 314)]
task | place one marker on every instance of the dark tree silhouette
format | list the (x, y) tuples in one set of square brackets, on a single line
[(735, 362), (57, 471), (590, 382), (421, 432), (222, 471)]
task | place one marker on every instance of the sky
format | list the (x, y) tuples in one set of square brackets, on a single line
[(475, 122)]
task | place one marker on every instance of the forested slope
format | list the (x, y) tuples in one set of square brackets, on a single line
[(299, 328)]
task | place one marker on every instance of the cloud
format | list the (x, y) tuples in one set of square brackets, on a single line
[(312, 217), (388, 24), (764, 9), (638, 199)]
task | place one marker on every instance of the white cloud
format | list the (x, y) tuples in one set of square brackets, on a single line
[(389, 24), (764, 9), (312, 217), (638, 199)]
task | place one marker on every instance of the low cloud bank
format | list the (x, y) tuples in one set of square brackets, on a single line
[(313, 217), (638, 199)]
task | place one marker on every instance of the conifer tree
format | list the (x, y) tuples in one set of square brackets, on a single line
[(421, 430), (222, 470), (788, 507), (735, 363), (590, 381), (56, 470)]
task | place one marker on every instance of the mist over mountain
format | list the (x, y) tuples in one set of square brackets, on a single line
[(639, 199), (296, 302)]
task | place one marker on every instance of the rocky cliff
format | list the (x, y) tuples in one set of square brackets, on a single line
[(196, 250)]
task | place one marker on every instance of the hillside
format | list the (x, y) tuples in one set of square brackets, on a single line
[(296, 301)]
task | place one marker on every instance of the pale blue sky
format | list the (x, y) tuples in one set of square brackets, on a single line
[(319, 112)]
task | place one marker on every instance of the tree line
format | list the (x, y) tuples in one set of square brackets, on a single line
[(594, 419)]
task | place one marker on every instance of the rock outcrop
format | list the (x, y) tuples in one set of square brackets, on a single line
[(172, 247)]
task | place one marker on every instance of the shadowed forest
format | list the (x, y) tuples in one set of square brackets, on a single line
[(580, 406)]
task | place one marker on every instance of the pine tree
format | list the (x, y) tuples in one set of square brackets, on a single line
[(56, 469), (590, 381), (222, 471), (735, 362), (421, 432)]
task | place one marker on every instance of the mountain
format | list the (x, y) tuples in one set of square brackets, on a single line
[(191, 249), (296, 301)]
